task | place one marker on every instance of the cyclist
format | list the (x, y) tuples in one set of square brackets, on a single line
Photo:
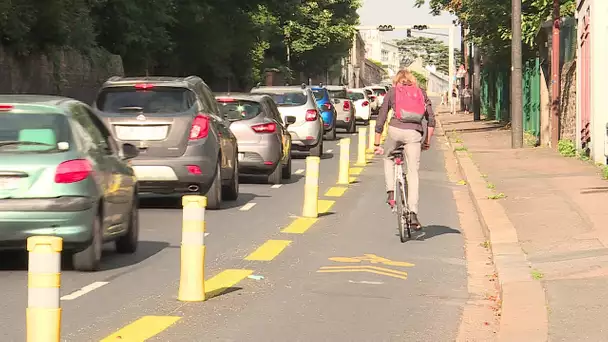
[(408, 131)]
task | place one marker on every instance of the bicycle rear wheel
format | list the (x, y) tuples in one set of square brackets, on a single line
[(404, 229)]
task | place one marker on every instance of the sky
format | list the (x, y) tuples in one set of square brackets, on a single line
[(403, 12)]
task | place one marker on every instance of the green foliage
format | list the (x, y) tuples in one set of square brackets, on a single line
[(227, 40), (432, 52), (420, 78), (377, 63), (566, 148)]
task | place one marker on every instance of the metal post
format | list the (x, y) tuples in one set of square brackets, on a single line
[(451, 58), (555, 76), (361, 144), (192, 276), (311, 188), (344, 168), (476, 84), (372, 133), (517, 130)]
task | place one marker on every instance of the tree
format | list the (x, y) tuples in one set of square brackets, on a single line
[(432, 52)]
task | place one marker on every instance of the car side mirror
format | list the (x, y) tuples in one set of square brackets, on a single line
[(129, 151), (290, 120)]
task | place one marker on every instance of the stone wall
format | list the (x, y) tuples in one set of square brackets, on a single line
[(61, 72), (568, 102)]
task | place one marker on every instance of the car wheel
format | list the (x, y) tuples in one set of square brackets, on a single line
[(276, 176), (317, 151), (89, 259), (231, 192), (127, 244), (287, 169), (214, 195), (353, 126)]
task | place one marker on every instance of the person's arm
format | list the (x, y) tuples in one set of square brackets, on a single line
[(430, 117), (383, 115)]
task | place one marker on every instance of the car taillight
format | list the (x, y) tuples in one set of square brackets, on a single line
[(365, 103), (6, 108), (73, 171), (265, 128), (328, 106), (200, 127), (311, 115), (144, 86), (346, 105)]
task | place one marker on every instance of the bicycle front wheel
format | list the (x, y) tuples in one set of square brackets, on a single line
[(402, 223)]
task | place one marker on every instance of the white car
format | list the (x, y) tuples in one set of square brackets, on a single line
[(379, 91), (362, 104)]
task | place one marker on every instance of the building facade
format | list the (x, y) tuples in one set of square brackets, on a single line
[(591, 66), (389, 57)]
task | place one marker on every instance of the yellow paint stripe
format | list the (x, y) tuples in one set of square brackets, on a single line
[(299, 225), (142, 329), (336, 191), (356, 171), (269, 250), (381, 269), (363, 270), (324, 206), (224, 280), (352, 179)]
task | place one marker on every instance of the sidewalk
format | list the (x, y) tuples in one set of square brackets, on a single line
[(559, 209)]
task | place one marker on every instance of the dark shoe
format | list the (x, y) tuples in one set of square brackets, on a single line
[(414, 223), (390, 198)]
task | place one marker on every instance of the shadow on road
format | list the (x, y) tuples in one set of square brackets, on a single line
[(17, 260), (429, 232), (175, 202), (221, 292), (262, 180)]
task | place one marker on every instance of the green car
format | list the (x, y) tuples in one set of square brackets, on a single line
[(62, 174)]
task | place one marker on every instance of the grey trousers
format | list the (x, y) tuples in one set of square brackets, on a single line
[(412, 141)]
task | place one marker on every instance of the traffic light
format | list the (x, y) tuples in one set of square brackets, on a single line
[(409, 33), (420, 27), (385, 28)]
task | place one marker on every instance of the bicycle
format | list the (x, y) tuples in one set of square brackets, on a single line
[(400, 207)]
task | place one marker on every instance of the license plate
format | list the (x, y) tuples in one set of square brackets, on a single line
[(241, 156), (9, 183), (141, 132), (154, 173)]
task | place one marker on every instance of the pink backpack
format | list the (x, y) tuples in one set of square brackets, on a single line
[(410, 105)]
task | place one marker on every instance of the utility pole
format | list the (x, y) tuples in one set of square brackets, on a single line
[(517, 129), (463, 52), (476, 84), (555, 76)]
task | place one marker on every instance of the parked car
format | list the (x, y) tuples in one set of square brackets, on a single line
[(373, 101), (298, 101), (185, 145), (262, 136), (327, 109), (362, 104), (344, 107), (378, 91), (63, 174)]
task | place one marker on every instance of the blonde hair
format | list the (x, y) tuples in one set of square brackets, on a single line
[(405, 77)]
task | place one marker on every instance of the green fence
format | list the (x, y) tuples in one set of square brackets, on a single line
[(495, 89)]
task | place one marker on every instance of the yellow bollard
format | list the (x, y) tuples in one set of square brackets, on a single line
[(361, 161), (343, 174), (372, 133), (192, 277), (311, 188), (43, 313)]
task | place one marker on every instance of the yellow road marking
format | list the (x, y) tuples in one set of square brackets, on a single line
[(299, 225), (356, 171), (372, 258), (324, 206), (364, 270), (142, 329), (269, 250), (376, 268), (224, 281), (352, 179), (336, 191)]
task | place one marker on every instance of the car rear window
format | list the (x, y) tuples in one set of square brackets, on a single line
[(33, 132), (235, 110), (380, 92), (354, 96), (288, 99), (338, 94), (318, 93), (151, 100), (368, 92)]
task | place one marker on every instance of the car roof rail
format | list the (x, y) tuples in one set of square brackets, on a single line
[(192, 78), (114, 78)]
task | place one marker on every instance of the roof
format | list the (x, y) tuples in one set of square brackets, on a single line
[(36, 100), (335, 87), (278, 88), (241, 96), (164, 80)]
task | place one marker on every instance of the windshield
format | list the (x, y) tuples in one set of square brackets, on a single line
[(379, 92), (318, 93), (338, 94), (156, 100), (286, 99), (356, 96), (235, 110), (32, 132)]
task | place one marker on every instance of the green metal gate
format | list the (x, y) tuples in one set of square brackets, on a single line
[(531, 96)]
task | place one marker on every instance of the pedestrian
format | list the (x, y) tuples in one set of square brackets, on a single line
[(467, 97), (454, 99), (443, 99)]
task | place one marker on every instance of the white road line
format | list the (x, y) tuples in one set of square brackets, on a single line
[(276, 186), (206, 234), (300, 171), (84, 290), (329, 151), (247, 206)]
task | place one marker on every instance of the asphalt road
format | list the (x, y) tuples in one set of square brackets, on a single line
[(310, 291)]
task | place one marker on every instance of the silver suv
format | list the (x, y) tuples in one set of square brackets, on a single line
[(299, 102), (344, 107)]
